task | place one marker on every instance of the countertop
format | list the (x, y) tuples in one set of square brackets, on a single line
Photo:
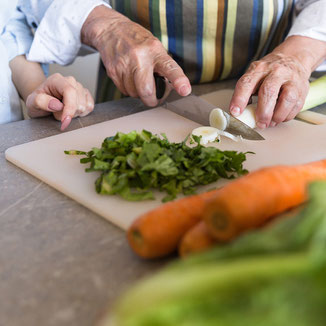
[(61, 264)]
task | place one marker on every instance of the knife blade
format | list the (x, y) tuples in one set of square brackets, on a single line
[(196, 109)]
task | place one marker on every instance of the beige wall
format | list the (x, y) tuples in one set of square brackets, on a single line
[(84, 69)]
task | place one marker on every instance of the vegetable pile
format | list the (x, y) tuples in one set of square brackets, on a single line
[(132, 164), (274, 276), (198, 222)]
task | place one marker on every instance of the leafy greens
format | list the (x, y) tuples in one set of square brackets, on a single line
[(133, 164)]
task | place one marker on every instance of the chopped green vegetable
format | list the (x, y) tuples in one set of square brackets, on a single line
[(134, 164), (274, 277)]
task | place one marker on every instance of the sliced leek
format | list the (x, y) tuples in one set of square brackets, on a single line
[(218, 119), (207, 134), (248, 116), (317, 94)]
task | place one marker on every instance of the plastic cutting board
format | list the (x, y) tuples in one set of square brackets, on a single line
[(289, 143)]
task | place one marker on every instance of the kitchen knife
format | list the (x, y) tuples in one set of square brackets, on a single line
[(196, 109)]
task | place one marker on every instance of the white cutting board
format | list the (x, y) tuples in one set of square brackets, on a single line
[(289, 143)]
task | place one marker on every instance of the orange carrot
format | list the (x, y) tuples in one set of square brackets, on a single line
[(252, 200), (158, 232), (196, 239)]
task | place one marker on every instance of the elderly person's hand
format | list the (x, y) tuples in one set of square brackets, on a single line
[(281, 80), (131, 55)]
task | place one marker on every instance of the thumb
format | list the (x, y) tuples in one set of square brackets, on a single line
[(40, 104)]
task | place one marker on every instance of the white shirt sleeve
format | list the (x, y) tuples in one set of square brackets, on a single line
[(16, 35), (57, 38), (310, 21)]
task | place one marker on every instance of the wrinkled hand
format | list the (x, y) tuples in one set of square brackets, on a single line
[(280, 79), (63, 96), (282, 84), (131, 55)]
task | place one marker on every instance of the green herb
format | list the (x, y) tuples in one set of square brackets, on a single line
[(134, 164)]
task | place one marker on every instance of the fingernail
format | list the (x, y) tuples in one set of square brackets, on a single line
[(151, 102), (89, 105), (184, 90), (55, 105), (261, 125), (65, 122), (235, 111), (272, 124)]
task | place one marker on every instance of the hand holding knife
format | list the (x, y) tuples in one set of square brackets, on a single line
[(198, 110)]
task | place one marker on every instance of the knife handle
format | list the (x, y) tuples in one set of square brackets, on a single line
[(160, 86)]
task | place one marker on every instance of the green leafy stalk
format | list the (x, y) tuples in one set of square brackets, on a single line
[(273, 276), (134, 164), (316, 95)]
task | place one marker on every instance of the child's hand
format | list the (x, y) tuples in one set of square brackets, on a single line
[(62, 96)]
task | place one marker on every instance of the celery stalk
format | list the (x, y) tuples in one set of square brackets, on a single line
[(171, 297), (316, 95), (271, 277)]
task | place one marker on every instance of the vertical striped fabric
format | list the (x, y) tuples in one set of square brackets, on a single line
[(212, 39)]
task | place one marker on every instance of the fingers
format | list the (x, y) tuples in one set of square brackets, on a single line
[(141, 82), (77, 101), (246, 86), (41, 104), (167, 67), (117, 78), (89, 103), (65, 89), (85, 101), (267, 97), (289, 103), (145, 86), (129, 85), (131, 58), (69, 91), (81, 100)]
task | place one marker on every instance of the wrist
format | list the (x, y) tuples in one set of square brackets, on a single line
[(101, 20), (308, 52), (26, 75)]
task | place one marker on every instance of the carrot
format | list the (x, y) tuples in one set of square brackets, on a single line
[(196, 239), (158, 232), (252, 200)]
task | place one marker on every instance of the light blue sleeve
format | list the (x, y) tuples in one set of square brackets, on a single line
[(17, 35)]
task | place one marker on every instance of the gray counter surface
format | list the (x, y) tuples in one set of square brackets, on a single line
[(60, 264)]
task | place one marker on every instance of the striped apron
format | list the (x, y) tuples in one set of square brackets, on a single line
[(210, 39)]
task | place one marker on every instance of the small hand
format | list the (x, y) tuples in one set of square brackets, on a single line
[(63, 96)]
